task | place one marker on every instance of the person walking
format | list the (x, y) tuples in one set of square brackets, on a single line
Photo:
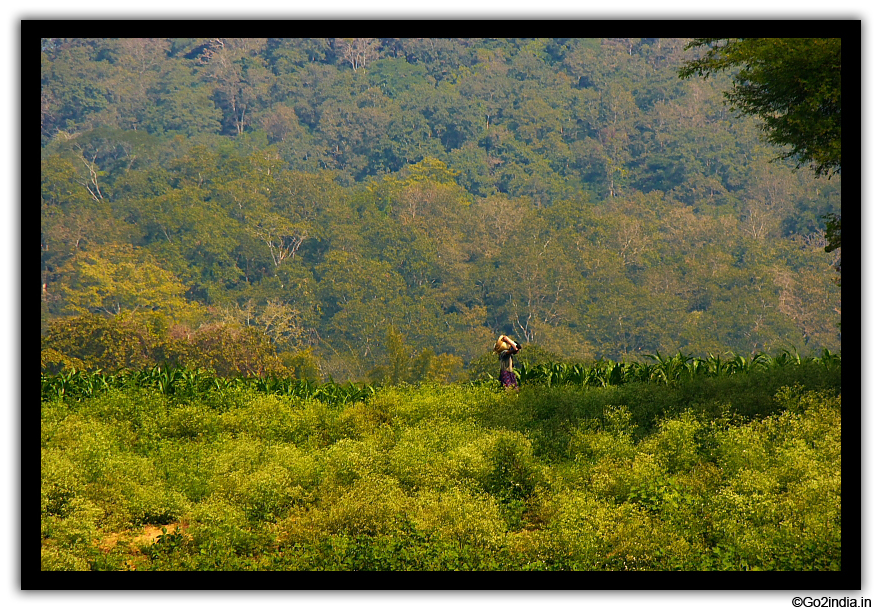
[(506, 348)]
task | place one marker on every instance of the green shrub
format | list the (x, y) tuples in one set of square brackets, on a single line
[(780, 504), (372, 505), (362, 418), (425, 455), (61, 481), (89, 443), (674, 444), (264, 493), (305, 470), (221, 530), (273, 418), (191, 421), (132, 493), (514, 473), (609, 436), (71, 558), (68, 538), (586, 533), (637, 476), (347, 461), (458, 514), (187, 466)]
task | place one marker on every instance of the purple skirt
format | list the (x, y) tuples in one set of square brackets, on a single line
[(508, 379)]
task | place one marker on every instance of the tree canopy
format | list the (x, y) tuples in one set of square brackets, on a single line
[(793, 84), (344, 203)]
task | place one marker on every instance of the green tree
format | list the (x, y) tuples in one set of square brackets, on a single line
[(88, 341), (404, 364), (833, 235), (794, 85), (72, 85), (139, 65), (183, 105), (112, 279), (228, 349), (189, 231), (280, 322), (234, 68), (360, 299), (345, 186), (397, 357)]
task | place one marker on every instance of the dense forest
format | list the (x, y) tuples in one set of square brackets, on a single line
[(330, 207)]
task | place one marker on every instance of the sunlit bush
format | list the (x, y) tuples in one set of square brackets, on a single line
[(675, 444), (347, 461), (191, 421), (373, 505), (69, 537), (61, 481), (305, 470), (514, 472), (444, 477), (264, 493), (586, 533), (609, 437), (427, 455), (458, 514), (273, 418), (132, 493), (220, 529)]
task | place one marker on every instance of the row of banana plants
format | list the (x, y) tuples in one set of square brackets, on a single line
[(666, 370), (190, 384)]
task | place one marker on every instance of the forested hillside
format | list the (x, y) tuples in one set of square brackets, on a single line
[(338, 206)]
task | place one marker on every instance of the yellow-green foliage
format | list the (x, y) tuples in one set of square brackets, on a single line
[(675, 445), (461, 515), (443, 477)]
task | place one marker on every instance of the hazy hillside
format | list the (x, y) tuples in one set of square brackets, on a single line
[(345, 202)]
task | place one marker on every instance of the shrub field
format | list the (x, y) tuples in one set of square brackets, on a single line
[(704, 465)]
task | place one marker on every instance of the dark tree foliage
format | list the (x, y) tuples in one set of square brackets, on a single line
[(793, 84)]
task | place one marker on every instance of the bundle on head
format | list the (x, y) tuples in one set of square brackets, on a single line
[(501, 345)]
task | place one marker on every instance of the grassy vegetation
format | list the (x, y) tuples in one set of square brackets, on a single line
[(729, 472)]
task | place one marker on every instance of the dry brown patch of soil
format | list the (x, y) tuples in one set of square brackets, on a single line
[(137, 538)]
